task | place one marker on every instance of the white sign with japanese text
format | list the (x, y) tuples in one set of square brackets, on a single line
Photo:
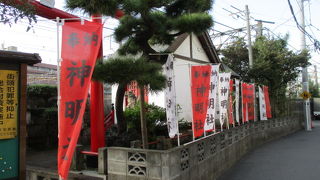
[(212, 101), (224, 85), (262, 103), (170, 96)]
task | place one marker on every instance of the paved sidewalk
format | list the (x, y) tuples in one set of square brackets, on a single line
[(295, 157)]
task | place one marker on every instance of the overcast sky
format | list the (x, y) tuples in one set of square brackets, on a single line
[(42, 38)]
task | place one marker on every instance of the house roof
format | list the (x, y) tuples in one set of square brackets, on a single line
[(19, 57), (227, 69), (205, 41), (44, 65)]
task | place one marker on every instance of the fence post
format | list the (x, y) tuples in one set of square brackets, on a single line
[(103, 160), (78, 159)]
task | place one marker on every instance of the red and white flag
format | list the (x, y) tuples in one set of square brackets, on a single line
[(267, 98), (223, 92), (262, 105), (247, 102), (251, 101), (80, 47), (244, 102), (200, 81), (230, 109), (212, 101)]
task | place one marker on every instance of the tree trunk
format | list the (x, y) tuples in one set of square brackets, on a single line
[(144, 133), (122, 124)]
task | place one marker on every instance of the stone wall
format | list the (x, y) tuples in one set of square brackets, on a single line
[(204, 159)]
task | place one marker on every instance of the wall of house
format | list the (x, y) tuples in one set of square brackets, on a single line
[(183, 88), (182, 76), (197, 49)]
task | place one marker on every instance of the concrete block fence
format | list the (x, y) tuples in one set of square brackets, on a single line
[(203, 159)]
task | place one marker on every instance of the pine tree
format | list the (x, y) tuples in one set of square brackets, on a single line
[(12, 12), (146, 23), (123, 70)]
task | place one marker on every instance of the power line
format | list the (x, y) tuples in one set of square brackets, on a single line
[(279, 37), (236, 13), (224, 25), (282, 23), (315, 42), (315, 27)]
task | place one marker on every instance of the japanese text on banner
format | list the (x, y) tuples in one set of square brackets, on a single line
[(170, 94), (80, 47), (262, 105), (230, 110), (224, 85), (250, 101), (200, 79), (247, 102), (212, 101)]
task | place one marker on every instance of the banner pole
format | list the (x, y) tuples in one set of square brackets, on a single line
[(58, 77), (193, 138), (58, 72)]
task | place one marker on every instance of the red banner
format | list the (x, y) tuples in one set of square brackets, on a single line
[(244, 102), (80, 47), (231, 120), (267, 99), (200, 79), (247, 102), (134, 89), (250, 101)]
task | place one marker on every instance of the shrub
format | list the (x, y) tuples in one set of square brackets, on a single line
[(155, 116)]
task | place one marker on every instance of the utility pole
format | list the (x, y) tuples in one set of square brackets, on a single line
[(249, 37), (305, 84), (259, 26)]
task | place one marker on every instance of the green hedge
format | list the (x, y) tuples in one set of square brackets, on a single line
[(42, 90)]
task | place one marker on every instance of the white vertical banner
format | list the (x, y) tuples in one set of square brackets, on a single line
[(212, 100), (237, 82), (224, 85), (170, 95), (262, 103)]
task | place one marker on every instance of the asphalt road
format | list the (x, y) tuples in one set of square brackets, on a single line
[(294, 157)]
